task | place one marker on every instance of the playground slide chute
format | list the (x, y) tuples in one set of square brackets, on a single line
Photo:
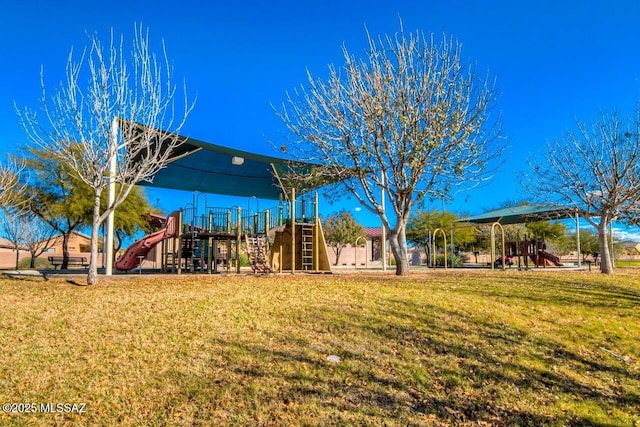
[(545, 256), (135, 253), (550, 257)]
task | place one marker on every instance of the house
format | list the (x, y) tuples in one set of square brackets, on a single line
[(8, 254), (368, 251), (79, 244), (630, 248)]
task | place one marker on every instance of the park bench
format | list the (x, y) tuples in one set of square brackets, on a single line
[(72, 260)]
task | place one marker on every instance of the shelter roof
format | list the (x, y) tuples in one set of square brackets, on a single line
[(521, 214), (214, 169)]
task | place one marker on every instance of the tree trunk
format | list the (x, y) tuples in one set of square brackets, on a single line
[(32, 264), (398, 243), (338, 250), (427, 253), (606, 264), (92, 277), (17, 259), (65, 251)]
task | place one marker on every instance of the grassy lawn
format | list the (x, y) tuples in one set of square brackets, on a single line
[(438, 348), (627, 263)]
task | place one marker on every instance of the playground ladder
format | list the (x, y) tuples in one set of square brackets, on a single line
[(257, 252), (307, 247)]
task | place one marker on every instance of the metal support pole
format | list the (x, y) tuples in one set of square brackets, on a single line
[(111, 194), (578, 239), (453, 255), (238, 239), (293, 230), (383, 234)]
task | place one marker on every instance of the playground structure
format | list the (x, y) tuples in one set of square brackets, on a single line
[(523, 250), (287, 237), (503, 252), (531, 250)]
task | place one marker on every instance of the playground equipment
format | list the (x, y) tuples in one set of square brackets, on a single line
[(444, 252), (298, 243), (135, 253), (534, 251), (524, 250), (275, 239)]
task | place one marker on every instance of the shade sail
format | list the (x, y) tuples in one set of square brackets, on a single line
[(522, 214), (214, 169)]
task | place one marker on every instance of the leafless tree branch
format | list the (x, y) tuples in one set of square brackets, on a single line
[(106, 85), (410, 119), (595, 169)]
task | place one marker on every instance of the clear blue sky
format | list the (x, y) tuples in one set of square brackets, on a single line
[(555, 61)]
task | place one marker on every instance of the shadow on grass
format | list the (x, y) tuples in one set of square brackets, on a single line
[(562, 291), (412, 362)]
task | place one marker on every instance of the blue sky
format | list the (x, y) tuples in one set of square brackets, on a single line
[(554, 61)]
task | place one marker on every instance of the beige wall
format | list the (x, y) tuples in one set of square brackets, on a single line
[(8, 258), (75, 242)]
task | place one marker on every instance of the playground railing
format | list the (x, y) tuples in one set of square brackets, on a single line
[(305, 208), (225, 220), (214, 219)]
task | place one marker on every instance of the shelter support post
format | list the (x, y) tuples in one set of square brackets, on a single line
[(383, 231), (578, 249), (177, 246), (111, 195), (493, 245), (238, 239), (453, 250), (293, 230)]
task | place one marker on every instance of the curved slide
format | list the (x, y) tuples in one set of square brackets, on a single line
[(131, 258), (546, 256), (551, 257)]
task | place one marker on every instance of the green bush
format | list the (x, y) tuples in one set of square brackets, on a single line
[(457, 261), (244, 259), (41, 263)]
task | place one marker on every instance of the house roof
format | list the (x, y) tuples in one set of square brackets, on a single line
[(7, 244), (372, 232)]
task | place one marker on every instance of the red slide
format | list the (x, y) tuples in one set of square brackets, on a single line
[(546, 256), (131, 258), (551, 257)]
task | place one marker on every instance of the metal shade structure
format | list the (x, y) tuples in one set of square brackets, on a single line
[(522, 214), (214, 169), (195, 165)]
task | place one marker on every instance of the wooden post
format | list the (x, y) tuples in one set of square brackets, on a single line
[(316, 235)]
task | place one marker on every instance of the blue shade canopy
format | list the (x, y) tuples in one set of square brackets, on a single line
[(522, 214), (208, 168)]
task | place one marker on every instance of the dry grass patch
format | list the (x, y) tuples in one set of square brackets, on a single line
[(516, 348)]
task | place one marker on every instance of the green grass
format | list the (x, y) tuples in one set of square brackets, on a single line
[(627, 263), (438, 348)]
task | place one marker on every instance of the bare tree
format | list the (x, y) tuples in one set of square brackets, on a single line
[(11, 186), (114, 120), (596, 169), (341, 229), (27, 231), (410, 121)]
